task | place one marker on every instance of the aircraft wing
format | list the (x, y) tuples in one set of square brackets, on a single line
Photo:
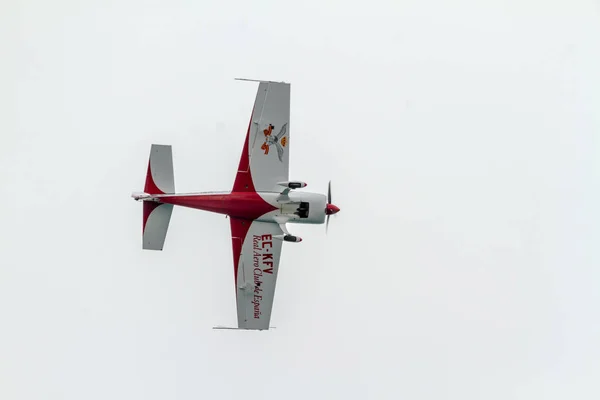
[(265, 156), (256, 256)]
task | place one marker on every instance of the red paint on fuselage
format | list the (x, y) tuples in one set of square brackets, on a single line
[(244, 205)]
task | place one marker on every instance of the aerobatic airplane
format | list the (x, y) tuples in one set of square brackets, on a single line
[(260, 204)]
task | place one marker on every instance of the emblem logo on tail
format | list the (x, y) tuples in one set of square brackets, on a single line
[(279, 140)]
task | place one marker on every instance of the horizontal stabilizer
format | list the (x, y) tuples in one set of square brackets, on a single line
[(156, 223), (159, 180)]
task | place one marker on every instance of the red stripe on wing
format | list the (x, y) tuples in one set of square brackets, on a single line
[(243, 179)]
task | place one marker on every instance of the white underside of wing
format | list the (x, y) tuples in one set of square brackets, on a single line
[(269, 143), (257, 275)]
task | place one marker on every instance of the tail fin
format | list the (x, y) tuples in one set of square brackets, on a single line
[(159, 180)]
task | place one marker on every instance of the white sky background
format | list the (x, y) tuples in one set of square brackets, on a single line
[(462, 141)]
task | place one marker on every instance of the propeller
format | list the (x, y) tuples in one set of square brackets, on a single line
[(330, 208), (328, 202)]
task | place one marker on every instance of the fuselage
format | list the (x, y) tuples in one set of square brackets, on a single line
[(296, 207)]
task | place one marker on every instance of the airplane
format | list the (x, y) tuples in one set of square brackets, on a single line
[(261, 203)]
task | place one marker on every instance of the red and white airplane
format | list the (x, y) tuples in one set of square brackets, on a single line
[(259, 206)]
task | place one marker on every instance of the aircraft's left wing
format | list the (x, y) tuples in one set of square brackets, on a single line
[(266, 153), (256, 255)]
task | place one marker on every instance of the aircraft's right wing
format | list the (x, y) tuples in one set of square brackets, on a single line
[(256, 255)]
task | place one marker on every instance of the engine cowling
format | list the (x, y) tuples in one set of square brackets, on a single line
[(293, 184)]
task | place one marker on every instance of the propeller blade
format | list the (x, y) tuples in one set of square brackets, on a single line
[(328, 202)]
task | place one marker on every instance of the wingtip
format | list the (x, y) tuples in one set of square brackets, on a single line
[(259, 80)]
